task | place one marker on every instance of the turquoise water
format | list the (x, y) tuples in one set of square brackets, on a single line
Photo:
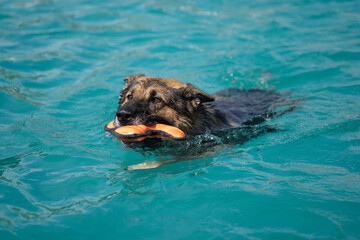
[(61, 68)]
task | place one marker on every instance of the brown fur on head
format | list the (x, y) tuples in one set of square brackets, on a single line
[(149, 100)]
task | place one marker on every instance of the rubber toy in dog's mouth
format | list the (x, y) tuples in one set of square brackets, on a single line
[(137, 133)]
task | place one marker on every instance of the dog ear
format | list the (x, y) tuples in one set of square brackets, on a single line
[(128, 81), (196, 95), (131, 78)]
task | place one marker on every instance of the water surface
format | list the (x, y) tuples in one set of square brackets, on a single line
[(61, 69)]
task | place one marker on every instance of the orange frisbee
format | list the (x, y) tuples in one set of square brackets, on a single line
[(137, 133)]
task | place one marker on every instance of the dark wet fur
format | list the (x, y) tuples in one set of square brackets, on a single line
[(250, 107)]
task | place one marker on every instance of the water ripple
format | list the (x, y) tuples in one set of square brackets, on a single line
[(61, 68)]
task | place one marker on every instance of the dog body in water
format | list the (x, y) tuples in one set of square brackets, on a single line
[(150, 100)]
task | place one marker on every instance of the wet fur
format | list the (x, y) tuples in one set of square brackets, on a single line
[(149, 100)]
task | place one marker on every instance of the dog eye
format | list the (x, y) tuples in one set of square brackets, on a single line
[(129, 97), (156, 100)]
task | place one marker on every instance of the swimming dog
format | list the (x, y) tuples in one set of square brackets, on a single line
[(149, 100)]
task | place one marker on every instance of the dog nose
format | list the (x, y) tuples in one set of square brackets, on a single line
[(124, 115)]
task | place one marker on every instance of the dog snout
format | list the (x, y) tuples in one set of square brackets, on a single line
[(124, 115)]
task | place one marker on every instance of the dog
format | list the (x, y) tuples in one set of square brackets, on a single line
[(232, 115), (149, 100)]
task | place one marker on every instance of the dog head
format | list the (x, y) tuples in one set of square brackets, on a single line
[(150, 100)]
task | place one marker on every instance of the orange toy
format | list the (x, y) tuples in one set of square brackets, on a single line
[(137, 133)]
